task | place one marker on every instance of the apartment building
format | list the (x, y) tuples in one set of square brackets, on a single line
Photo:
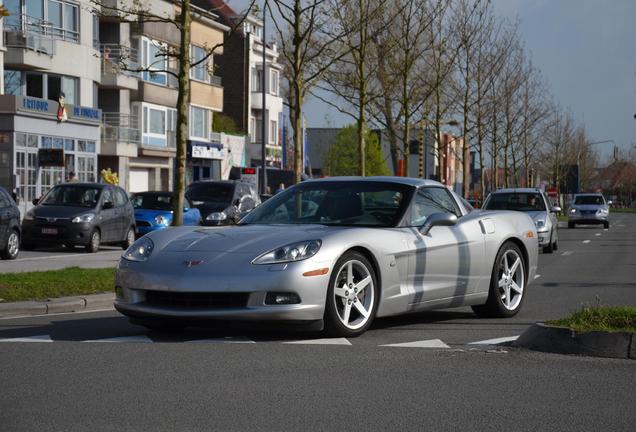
[(241, 68), (138, 108), (49, 116)]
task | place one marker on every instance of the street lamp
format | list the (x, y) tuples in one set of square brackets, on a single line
[(263, 179), (423, 155)]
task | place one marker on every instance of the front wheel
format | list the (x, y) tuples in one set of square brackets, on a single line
[(12, 248), (130, 239), (94, 242), (606, 225), (507, 284), (352, 296)]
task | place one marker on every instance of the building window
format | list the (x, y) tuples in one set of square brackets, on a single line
[(154, 59), (12, 82), (256, 129), (273, 82), (61, 18), (154, 130), (49, 86), (200, 72), (257, 80), (199, 123), (273, 132)]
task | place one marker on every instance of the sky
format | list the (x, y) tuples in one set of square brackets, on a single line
[(586, 51)]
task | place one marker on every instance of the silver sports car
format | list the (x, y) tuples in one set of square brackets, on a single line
[(334, 253)]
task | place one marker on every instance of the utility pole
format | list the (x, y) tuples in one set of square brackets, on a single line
[(263, 179)]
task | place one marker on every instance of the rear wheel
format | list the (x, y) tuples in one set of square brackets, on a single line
[(507, 284), (130, 239), (12, 248), (352, 296), (94, 242)]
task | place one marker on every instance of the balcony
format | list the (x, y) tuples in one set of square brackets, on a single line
[(120, 134), (120, 66), (30, 42)]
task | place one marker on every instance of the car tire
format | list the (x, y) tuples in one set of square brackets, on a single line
[(570, 225), (94, 242), (555, 245), (130, 239), (503, 281), (12, 248), (352, 275), (606, 225)]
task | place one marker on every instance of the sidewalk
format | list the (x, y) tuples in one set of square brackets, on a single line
[(58, 305)]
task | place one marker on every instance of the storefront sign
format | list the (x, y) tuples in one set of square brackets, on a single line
[(35, 104), (49, 108), (87, 113), (205, 152)]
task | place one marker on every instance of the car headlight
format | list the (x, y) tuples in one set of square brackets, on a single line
[(216, 216), (140, 250), (30, 215), (572, 211), (601, 211), (84, 218), (289, 253), (539, 223), (161, 220)]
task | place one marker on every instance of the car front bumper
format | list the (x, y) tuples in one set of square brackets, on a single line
[(544, 237), (61, 232), (151, 292), (588, 218)]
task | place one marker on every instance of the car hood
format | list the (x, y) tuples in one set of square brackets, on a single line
[(538, 215), (150, 215), (252, 239), (61, 212), (588, 206)]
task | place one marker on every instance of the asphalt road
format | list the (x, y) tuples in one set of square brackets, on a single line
[(255, 379), (54, 258)]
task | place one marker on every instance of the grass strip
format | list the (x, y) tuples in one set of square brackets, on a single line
[(600, 318), (622, 210), (42, 285)]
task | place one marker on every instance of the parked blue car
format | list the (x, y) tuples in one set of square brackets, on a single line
[(153, 211)]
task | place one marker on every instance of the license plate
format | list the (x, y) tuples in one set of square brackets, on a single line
[(49, 231)]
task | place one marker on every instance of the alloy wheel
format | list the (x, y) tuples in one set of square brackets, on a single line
[(13, 244), (511, 281), (354, 294)]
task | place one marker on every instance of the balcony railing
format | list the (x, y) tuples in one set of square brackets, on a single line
[(120, 127), (119, 59), (31, 33)]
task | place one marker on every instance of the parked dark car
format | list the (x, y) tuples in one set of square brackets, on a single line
[(9, 226), (222, 202), (80, 214)]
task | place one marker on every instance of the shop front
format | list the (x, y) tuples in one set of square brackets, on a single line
[(43, 143), (204, 161)]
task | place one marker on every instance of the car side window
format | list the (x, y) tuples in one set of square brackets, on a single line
[(118, 198), (4, 201), (108, 196), (431, 200)]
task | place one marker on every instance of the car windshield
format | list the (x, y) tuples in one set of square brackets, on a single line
[(340, 203), (518, 201), (72, 195), (152, 201), (589, 200), (200, 193)]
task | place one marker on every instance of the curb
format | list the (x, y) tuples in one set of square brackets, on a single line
[(563, 340), (58, 305)]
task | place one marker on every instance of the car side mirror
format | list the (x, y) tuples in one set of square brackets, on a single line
[(556, 209), (35, 201), (609, 203), (107, 205), (438, 219)]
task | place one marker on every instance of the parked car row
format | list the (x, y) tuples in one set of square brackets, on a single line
[(89, 215)]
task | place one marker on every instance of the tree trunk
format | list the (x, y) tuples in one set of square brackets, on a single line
[(185, 20)]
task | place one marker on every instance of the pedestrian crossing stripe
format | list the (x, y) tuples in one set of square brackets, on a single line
[(496, 341), (432, 343), (38, 338)]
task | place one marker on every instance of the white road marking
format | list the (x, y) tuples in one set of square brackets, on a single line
[(495, 341), (432, 343), (597, 234), (227, 339), (566, 253), (605, 229), (324, 341), (586, 241), (124, 339), (39, 338), (537, 276)]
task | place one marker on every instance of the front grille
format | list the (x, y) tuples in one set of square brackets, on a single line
[(141, 223), (196, 300)]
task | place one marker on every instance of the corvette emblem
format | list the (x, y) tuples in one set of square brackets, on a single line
[(192, 263)]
